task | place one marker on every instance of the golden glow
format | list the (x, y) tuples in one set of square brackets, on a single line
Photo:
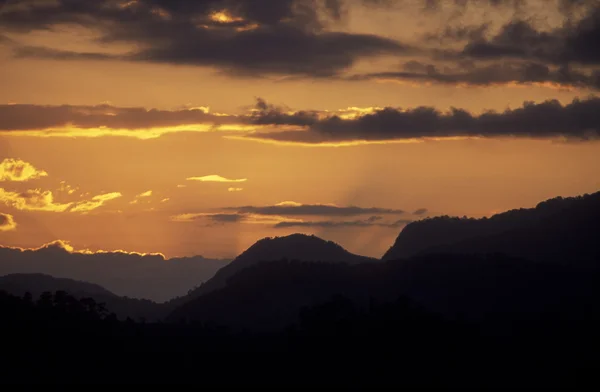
[(66, 246), (7, 222), (18, 170), (143, 133), (224, 17), (215, 178), (235, 189), (289, 204)]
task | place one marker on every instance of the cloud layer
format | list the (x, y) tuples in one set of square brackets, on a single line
[(310, 38), (578, 119)]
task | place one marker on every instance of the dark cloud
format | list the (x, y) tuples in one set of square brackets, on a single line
[(420, 211), (330, 224), (579, 120), (26, 117), (522, 73), (313, 209), (268, 114), (226, 218), (260, 37), (572, 43)]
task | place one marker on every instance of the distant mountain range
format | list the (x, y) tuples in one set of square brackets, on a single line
[(133, 275), (524, 262)]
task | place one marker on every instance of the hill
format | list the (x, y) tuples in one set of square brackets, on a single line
[(123, 307), (298, 247), (556, 230)]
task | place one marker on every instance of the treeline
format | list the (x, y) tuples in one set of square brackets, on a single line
[(338, 342)]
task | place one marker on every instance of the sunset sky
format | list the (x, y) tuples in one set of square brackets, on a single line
[(198, 127)]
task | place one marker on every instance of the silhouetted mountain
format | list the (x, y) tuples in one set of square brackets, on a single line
[(299, 247), (559, 230), (38, 284), (145, 276)]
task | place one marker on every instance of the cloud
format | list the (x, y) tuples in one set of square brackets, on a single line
[(570, 43), (145, 194), (17, 170), (99, 120), (297, 209), (38, 200), (95, 202), (32, 200), (215, 178), (64, 187), (578, 120), (420, 211), (504, 73), (7, 222), (288, 37), (224, 218), (331, 224), (235, 189)]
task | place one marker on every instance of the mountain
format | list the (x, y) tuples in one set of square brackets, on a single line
[(144, 276), (298, 247), (36, 284), (123, 307), (561, 230)]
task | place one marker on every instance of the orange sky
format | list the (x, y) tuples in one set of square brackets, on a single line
[(175, 180)]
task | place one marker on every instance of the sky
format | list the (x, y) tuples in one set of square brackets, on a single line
[(199, 127)]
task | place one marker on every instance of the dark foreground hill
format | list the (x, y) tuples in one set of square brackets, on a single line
[(301, 247), (479, 289), (556, 230), (39, 284)]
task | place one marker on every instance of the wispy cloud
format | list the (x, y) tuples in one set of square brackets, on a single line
[(216, 178), (95, 202), (222, 218), (420, 211), (330, 224), (18, 170), (145, 194), (235, 189), (290, 208)]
